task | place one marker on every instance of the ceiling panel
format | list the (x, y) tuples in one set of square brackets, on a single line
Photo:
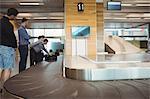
[(53, 11), (50, 9), (131, 11)]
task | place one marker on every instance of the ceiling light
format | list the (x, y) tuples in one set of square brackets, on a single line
[(134, 18), (40, 18), (126, 5), (22, 17), (24, 14), (134, 15), (31, 0), (146, 18), (142, 1), (31, 3), (146, 15), (99, 0), (56, 17), (107, 18), (142, 5), (119, 18)]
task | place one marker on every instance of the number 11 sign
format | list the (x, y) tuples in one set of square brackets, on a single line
[(80, 6)]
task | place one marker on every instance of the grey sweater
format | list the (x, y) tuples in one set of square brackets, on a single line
[(38, 47)]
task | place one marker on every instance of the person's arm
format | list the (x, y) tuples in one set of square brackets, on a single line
[(45, 49)]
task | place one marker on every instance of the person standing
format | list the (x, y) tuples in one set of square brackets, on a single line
[(23, 44), (8, 43)]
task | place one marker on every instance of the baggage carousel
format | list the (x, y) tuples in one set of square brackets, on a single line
[(108, 67), (47, 80)]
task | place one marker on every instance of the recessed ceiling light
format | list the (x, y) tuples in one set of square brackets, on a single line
[(142, 1), (108, 18), (22, 17), (31, 0), (134, 15), (119, 18), (24, 14), (146, 18), (56, 17), (126, 5), (134, 18), (146, 15), (31, 3), (99, 0), (142, 5), (40, 18)]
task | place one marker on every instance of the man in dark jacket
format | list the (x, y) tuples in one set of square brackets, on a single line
[(8, 43)]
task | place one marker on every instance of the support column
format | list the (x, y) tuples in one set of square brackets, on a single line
[(88, 17)]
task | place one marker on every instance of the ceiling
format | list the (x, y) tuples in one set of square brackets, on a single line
[(49, 10), (131, 11)]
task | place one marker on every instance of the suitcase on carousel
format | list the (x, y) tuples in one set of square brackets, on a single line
[(50, 58)]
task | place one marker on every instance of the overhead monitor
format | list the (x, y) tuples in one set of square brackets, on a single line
[(113, 5), (80, 31)]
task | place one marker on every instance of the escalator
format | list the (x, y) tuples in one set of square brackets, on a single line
[(117, 45)]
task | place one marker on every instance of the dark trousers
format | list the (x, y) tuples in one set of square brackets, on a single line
[(35, 57), (32, 56), (23, 50)]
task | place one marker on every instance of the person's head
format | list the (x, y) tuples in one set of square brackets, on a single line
[(50, 50), (41, 38), (61, 50), (24, 21), (12, 13), (45, 41), (57, 50)]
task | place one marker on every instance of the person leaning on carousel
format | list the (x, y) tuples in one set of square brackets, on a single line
[(36, 50)]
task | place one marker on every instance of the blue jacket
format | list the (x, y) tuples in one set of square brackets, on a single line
[(23, 36)]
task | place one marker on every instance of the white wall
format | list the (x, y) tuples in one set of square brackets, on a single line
[(79, 46)]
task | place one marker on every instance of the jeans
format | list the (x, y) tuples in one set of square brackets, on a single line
[(7, 57), (23, 50)]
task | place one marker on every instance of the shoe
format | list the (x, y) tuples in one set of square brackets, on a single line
[(1, 90)]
